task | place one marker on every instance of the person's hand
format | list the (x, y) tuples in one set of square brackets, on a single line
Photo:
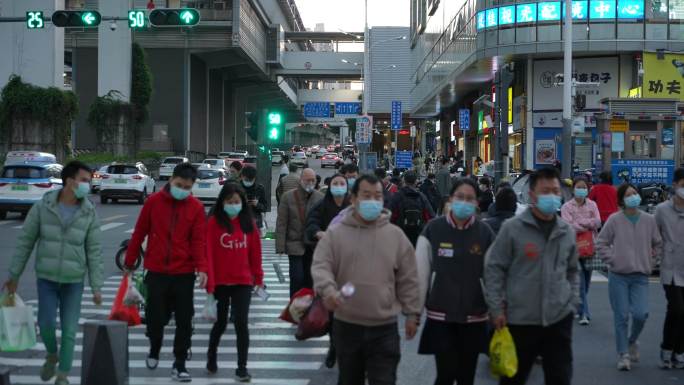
[(332, 302), (320, 235), (202, 282), (11, 286), (411, 328), (97, 298), (253, 202), (500, 322)]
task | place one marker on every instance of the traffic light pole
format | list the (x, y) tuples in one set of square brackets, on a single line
[(264, 169)]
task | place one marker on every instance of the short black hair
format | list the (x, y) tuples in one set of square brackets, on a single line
[(236, 165), (678, 175), (506, 200), (578, 180), (543, 173), (246, 217), (285, 158), (72, 168), (372, 179), (444, 160), (410, 177), (327, 180), (380, 172), (622, 190), (396, 172), (185, 171), (606, 177), (349, 169), (249, 172), (503, 185), (485, 181), (465, 181)]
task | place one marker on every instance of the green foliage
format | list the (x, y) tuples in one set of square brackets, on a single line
[(105, 115), (141, 84)]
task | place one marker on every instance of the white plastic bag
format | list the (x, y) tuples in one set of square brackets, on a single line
[(209, 311), (17, 326), (132, 296), (299, 306)]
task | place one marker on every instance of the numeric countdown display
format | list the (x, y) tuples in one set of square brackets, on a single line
[(137, 19)]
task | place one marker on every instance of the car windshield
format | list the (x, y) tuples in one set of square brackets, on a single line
[(235, 155), (119, 169), (300, 155), (173, 160), (207, 174), (23, 172), (212, 162), (277, 153)]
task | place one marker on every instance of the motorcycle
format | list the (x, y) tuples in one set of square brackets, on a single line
[(652, 194)]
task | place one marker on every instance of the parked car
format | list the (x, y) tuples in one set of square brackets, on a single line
[(235, 156), (208, 185), (330, 160), (320, 153), (216, 164), (168, 164), (276, 158), (22, 185), (250, 160), (126, 181), (300, 159), (34, 158), (197, 166), (96, 181)]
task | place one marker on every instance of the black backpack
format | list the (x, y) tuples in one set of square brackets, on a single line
[(411, 218)]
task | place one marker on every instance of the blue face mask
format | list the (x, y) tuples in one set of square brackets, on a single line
[(548, 203), (581, 192), (178, 193), (232, 209), (370, 209), (462, 210), (338, 191), (633, 201), (350, 183), (82, 190)]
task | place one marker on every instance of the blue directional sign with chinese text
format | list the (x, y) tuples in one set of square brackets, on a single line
[(396, 115), (549, 11), (345, 108), (492, 18), (630, 9), (638, 171), (464, 119), (317, 110), (602, 9), (507, 15), (403, 159), (526, 13)]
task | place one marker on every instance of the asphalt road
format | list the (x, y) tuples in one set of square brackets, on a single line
[(594, 347)]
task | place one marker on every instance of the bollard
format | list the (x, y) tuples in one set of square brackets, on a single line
[(104, 360), (5, 377)]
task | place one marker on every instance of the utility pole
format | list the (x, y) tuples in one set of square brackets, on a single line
[(566, 162), (503, 80)]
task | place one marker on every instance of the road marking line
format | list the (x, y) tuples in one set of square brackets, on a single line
[(129, 231), (232, 350), (229, 335), (199, 364), (23, 379), (17, 227), (113, 217), (110, 226)]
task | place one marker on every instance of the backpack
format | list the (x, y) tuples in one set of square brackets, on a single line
[(411, 218)]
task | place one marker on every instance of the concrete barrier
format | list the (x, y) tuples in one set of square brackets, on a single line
[(105, 353)]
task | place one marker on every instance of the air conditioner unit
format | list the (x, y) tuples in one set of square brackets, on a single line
[(275, 44)]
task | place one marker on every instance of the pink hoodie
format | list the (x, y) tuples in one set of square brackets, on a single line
[(582, 218)]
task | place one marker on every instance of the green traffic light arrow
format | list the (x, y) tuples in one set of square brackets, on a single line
[(187, 16), (88, 18)]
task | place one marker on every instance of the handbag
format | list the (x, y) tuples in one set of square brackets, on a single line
[(585, 244), (315, 322), (17, 326)]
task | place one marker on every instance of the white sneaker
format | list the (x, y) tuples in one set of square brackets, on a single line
[(624, 363), (584, 321), (151, 363), (634, 351), (678, 361), (180, 375), (665, 359)]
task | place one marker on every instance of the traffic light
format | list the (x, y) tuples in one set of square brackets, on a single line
[(183, 17), (83, 19), (274, 126), (34, 20)]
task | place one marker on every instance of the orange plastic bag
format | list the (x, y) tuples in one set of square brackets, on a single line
[(121, 312)]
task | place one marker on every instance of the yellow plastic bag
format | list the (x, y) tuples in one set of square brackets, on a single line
[(503, 361)]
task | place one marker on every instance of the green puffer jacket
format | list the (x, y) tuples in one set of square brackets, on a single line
[(64, 251)]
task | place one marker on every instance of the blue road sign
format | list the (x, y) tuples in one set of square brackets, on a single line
[(317, 110), (346, 108), (403, 159), (464, 119), (396, 115), (638, 171)]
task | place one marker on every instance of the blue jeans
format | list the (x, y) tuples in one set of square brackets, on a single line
[(585, 281), (68, 297), (628, 296)]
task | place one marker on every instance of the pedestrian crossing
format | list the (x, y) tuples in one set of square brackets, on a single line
[(276, 358)]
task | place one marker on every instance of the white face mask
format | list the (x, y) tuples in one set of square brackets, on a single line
[(680, 192)]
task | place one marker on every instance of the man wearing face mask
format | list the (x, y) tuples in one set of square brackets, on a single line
[(174, 223), (532, 283), (255, 193), (374, 264), (66, 229), (290, 229), (351, 172), (288, 182)]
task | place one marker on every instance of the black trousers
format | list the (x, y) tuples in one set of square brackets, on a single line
[(459, 363), (237, 299), (300, 271), (553, 343), (367, 352), (167, 294), (673, 330)]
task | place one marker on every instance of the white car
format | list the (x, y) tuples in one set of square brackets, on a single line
[(22, 185), (276, 158), (208, 185), (300, 159), (330, 159), (167, 166), (126, 181), (216, 164), (321, 152), (96, 181)]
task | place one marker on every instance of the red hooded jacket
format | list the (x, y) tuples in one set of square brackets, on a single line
[(605, 196), (175, 231), (233, 258)]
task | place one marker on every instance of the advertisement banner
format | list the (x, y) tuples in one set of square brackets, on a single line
[(548, 96), (663, 78), (637, 171), (545, 151)]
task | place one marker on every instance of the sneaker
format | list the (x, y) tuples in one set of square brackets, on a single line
[(61, 380), (330, 358), (151, 363), (634, 351), (49, 368), (180, 374), (665, 359), (212, 366), (678, 361), (242, 375), (584, 321), (624, 363)]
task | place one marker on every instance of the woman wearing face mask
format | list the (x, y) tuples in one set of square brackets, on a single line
[(628, 243), (450, 254), (583, 215), (234, 259)]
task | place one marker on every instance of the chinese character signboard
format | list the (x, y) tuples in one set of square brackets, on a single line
[(526, 13), (464, 119), (602, 9), (492, 18), (364, 126), (481, 20), (396, 115), (507, 15), (404, 159), (317, 110), (549, 11), (639, 171), (630, 9), (663, 78), (580, 10), (346, 108)]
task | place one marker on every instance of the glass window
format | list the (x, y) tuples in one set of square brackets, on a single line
[(644, 145), (23, 172), (656, 9), (125, 170), (677, 10), (667, 147), (207, 174)]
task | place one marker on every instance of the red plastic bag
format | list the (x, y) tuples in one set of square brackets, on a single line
[(315, 322), (286, 315), (585, 244), (121, 312)]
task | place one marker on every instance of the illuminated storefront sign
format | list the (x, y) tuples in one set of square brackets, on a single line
[(492, 18), (507, 15), (602, 9), (526, 13), (630, 9), (549, 11)]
